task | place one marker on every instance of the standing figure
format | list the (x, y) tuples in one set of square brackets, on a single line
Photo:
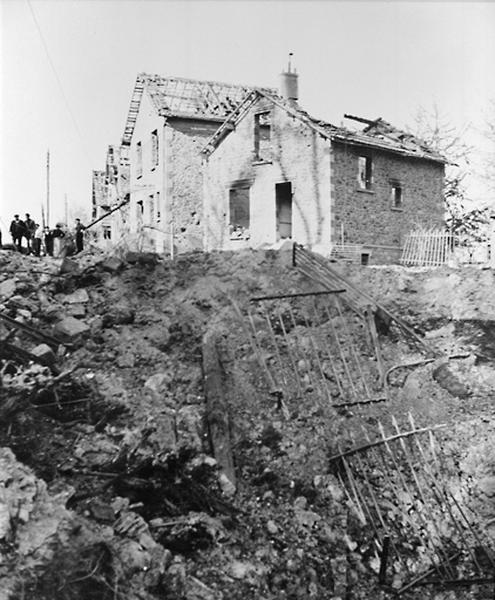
[(17, 231), (48, 233), (79, 236), (30, 226), (37, 235), (58, 233)]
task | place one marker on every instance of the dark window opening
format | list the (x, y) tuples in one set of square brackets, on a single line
[(396, 195), (154, 148), (283, 200), (365, 259), (139, 211), (262, 136), (139, 159), (239, 213), (365, 172)]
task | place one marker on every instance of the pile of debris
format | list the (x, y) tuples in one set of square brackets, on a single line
[(163, 436)]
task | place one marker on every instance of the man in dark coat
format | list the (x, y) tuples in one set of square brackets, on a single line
[(30, 226), (48, 235), (79, 235), (17, 231)]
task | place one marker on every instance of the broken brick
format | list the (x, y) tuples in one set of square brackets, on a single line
[(70, 328)]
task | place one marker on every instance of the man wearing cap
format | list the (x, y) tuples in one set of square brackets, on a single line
[(17, 230), (79, 235), (30, 228)]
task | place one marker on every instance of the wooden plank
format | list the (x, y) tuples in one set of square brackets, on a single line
[(384, 440), (217, 409), (370, 317), (354, 296)]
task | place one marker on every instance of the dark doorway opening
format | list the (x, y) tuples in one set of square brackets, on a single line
[(283, 197)]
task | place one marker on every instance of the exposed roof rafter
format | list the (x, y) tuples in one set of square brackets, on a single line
[(378, 134), (184, 98)]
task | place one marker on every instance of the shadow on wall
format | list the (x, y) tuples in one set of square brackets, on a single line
[(216, 225), (217, 231), (217, 234), (299, 205)]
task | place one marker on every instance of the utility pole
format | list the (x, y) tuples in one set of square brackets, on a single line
[(492, 241), (48, 188), (66, 210)]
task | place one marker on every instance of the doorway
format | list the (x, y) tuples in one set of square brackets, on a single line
[(283, 200)]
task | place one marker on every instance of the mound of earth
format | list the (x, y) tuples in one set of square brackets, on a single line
[(110, 482)]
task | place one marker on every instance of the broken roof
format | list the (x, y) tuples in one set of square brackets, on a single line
[(377, 134), (380, 133), (186, 98)]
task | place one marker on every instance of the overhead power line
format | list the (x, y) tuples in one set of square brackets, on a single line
[(59, 82)]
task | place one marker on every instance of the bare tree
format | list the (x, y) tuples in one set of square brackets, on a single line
[(462, 217), (489, 134)]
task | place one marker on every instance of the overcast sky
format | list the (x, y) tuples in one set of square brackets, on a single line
[(68, 69)]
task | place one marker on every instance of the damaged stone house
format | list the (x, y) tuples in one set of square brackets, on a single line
[(110, 187), (169, 121), (273, 172), (215, 166)]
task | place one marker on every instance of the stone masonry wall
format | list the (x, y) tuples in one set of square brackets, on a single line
[(368, 216), (297, 155), (184, 187), (146, 184)]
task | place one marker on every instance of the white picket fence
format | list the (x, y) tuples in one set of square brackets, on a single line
[(428, 248)]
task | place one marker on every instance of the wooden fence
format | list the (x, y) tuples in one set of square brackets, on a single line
[(428, 248), (347, 252)]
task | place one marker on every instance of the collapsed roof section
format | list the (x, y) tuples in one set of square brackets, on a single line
[(377, 133), (390, 137), (185, 98)]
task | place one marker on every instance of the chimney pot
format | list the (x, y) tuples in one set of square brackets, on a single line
[(289, 82)]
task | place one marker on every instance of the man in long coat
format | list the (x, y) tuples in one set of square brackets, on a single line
[(17, 231), (30, 227)]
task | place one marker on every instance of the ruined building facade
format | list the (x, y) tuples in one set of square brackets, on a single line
[(272, 172), (170, 120), (212, 166), (110, 188)]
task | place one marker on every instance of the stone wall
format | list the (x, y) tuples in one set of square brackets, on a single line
[(368, 216), (184, 141), (147, 183), (166, 195), (297, 155)]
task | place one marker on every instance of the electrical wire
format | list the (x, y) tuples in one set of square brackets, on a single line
[(59, 82)]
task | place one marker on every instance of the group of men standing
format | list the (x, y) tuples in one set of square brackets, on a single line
[(35, 236)]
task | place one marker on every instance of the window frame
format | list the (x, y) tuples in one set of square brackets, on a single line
[(365, 184), (244, 232), (139, 159), (395, 184), (155, 149), (259, 127)]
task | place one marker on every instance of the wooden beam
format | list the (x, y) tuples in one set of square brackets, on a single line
[(217, 409)]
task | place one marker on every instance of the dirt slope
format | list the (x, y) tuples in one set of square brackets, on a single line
[(122, 445)]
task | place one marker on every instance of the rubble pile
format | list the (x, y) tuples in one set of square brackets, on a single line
[(110, 482)]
